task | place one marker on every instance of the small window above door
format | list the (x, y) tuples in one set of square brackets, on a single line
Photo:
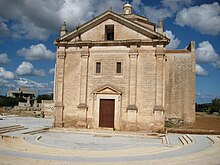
[(109, 32), (118, 67), (98, 67)]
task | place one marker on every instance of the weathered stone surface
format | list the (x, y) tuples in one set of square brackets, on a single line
[(153, 83)]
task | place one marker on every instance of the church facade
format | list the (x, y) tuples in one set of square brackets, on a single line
[(115, 72)]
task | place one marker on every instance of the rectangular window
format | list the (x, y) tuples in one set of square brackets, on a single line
[(118, 67), (98, 67), (109, 32)]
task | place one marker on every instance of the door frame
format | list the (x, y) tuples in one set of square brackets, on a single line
[(117, 108), (102, 109)]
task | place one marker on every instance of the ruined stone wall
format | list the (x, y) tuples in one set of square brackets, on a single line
[(47, 107), (180, 87)]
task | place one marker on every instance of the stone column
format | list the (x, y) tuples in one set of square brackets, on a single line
[(159, 98), (82, 107), (58, 105), (132, 108)]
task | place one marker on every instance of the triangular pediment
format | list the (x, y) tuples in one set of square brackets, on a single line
[(110, 15), (107, 90)]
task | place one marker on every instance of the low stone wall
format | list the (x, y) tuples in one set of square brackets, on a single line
[(193, 131), (47, 108)]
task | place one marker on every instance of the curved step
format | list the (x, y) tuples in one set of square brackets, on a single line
[(186, 140), (37, 131), (11, 128)]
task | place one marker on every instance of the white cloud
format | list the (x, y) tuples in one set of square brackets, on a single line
[(31, 19), (27, 69), (51, 71), (4, 31), (4, 74), (73, 11), (4, 58), (177, 4), (204, 97), (200, 71), (205, 53), (216, 64), (204, 18), (6, 83), (36, 52), (23, 82), (174, 42), (27, 29), (168, 9), (39, 19), (149, 11)]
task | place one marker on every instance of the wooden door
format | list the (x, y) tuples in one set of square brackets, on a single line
[(106, 113)]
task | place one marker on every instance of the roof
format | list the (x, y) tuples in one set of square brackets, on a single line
[(116, 17)]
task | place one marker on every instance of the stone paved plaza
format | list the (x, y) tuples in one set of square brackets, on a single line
[(33, 144)]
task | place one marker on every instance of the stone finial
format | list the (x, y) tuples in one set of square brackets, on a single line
[(63, 29), (160, 26), (127, 8)]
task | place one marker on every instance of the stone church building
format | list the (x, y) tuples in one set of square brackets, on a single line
[(115, 72)]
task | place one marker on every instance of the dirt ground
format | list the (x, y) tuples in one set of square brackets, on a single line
[(206, 122)]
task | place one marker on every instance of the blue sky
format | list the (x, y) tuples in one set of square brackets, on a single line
[(29, 27)]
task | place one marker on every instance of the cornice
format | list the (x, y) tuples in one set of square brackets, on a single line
[(127, 43)]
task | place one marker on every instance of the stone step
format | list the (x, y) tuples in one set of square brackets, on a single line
[(182, 140), (37, 131), (12, 129), (190, 138), (6, 127), (186, 140), (165, 139)]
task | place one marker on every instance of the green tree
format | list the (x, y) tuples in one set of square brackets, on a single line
[(215, 105), (9, 101), (44, 97)]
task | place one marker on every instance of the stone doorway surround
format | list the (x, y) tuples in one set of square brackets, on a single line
[(107, 92)]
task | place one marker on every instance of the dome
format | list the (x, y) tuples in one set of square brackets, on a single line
[(127, 8), (127, 5)]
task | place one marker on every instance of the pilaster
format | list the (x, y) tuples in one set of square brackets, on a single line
[(133, 55), (82, 107), (58, 105), (160, 53), (132, 108), (160, 87)]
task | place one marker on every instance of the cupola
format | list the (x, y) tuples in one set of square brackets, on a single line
[(127, 8)]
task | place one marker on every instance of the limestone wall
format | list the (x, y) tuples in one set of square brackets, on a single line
[(71, 85), (180, 86), (121, 32), (108, 56), (146, 89)]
